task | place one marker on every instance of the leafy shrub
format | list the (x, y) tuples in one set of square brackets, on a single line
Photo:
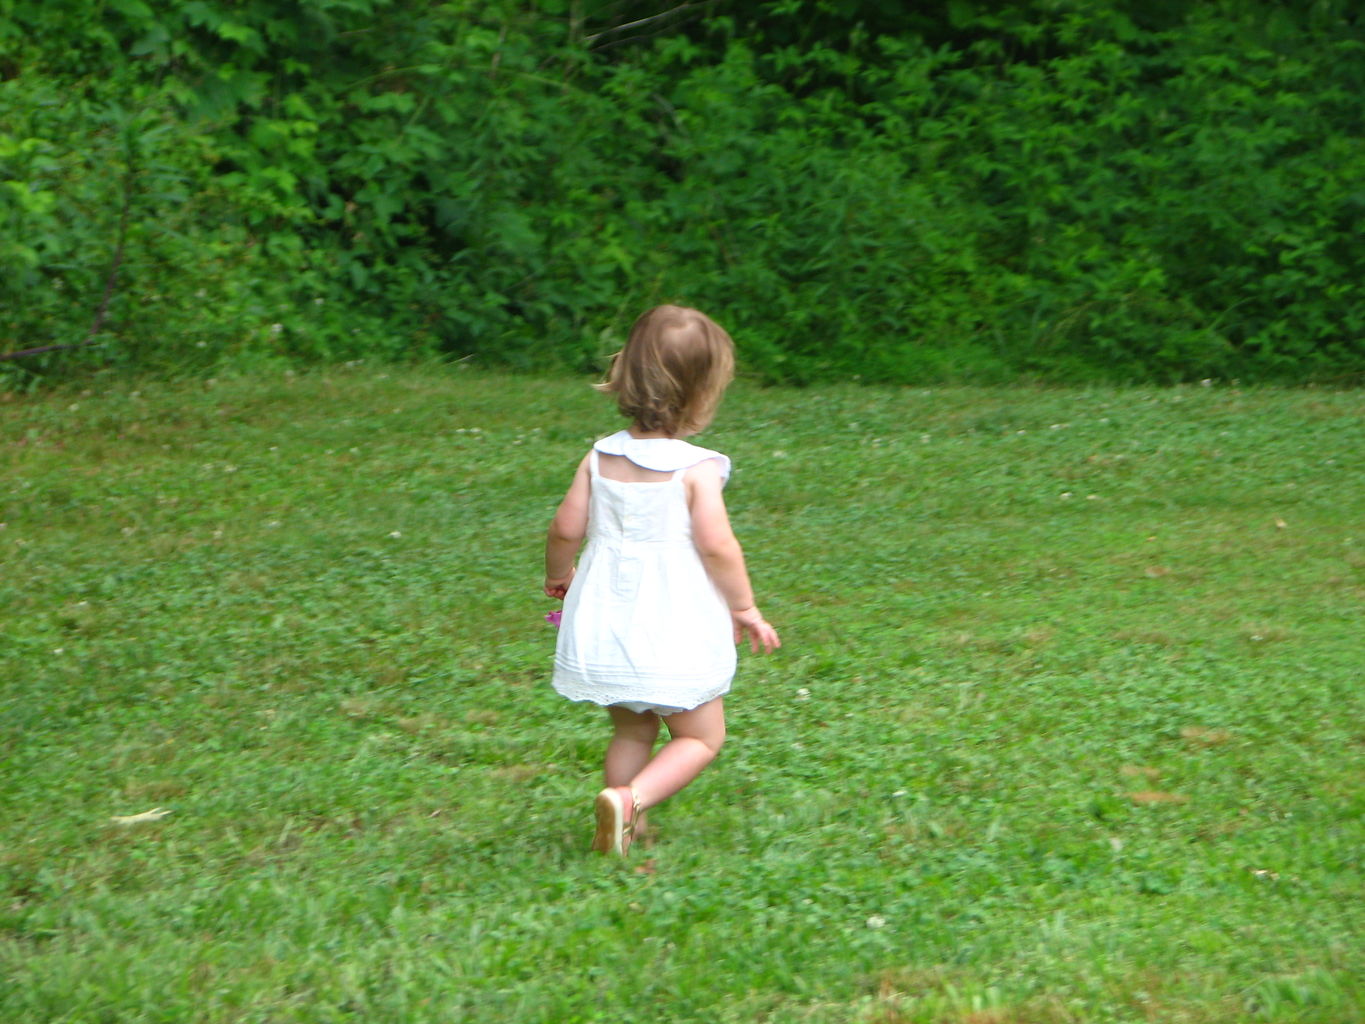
[(964, 191)]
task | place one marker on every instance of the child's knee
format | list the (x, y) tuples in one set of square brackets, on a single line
[(717, 740), (704, 725), (712, 739)]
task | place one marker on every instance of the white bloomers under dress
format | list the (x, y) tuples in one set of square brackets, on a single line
[(644, 627)]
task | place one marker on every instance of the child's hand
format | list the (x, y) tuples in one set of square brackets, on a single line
[(760, 632), (558, 587)]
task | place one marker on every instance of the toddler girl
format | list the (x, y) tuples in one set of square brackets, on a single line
[(661, 596)]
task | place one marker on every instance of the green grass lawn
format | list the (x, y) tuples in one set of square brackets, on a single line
[(1067, 726)]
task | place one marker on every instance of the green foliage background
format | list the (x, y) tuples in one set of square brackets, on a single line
[(1054, 189)]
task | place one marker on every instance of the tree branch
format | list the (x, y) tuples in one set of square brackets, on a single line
[(117, 261), (645, 21)]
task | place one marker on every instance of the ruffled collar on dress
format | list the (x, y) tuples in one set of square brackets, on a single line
[(661, 454)]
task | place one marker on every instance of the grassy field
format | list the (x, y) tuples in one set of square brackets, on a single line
[(1067, 727)]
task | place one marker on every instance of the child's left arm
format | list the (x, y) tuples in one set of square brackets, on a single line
[(567, 530), (723, 558)]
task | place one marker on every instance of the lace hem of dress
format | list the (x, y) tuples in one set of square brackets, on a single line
[(684, 697), (673, 703)]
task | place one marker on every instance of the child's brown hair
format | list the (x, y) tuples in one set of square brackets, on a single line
[(676, 364)]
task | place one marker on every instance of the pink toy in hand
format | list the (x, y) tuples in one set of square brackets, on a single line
[(554, 617)]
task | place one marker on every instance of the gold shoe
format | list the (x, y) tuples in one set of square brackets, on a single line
[(617, 812)]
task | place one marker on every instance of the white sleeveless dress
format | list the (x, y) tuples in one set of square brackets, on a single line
[(644, 627)]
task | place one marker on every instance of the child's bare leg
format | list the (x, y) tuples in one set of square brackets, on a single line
[(631, 744), (696, 738)]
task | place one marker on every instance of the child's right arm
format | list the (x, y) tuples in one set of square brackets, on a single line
[(723, 557), (567, 530)]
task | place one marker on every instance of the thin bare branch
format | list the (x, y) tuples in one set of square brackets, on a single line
[(41, 349), (129, 179), (645, 21)]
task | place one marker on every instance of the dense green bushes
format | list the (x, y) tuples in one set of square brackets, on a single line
[(1053, 188)]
